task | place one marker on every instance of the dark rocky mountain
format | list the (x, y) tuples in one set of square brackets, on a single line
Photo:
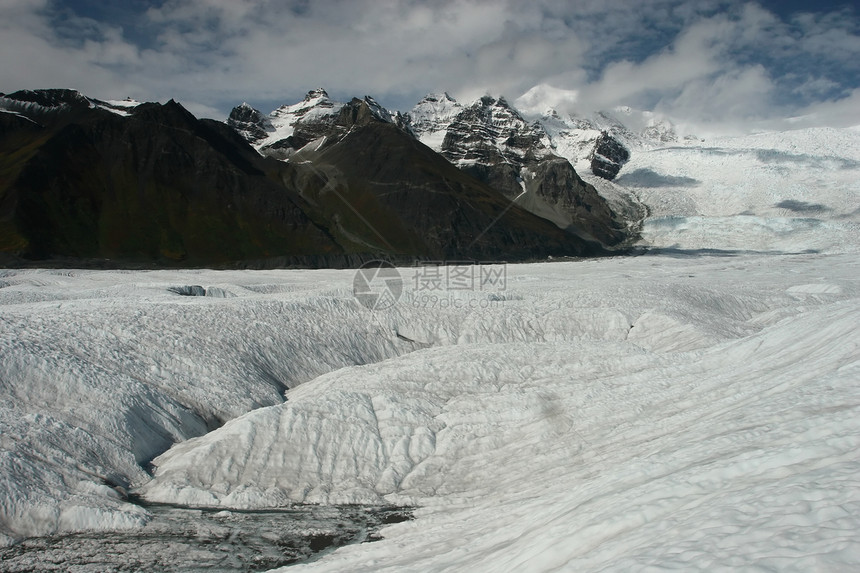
[(408, 197), (608, 156), (118, 184), (493, 142), (153, 186), (250, 123)]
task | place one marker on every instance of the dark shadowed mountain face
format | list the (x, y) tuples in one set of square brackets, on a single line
[(155, 186), (149, 184), (417, 201)]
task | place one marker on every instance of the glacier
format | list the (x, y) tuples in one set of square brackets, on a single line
[(693, 407)]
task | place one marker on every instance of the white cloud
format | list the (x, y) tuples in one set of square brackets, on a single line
[(710, 61), (835, 113)]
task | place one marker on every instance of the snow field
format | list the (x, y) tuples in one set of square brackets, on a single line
[(102, 371), (583, 449)]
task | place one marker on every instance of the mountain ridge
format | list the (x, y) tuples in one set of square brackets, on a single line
[(127, 184), (488, 139)]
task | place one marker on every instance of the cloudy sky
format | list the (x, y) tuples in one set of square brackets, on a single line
[(710, 64)]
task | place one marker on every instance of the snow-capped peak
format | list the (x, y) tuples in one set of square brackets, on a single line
[(487, 132), (292, 126), (316, 94), (543, 99), (316, 102), (431, 117), (265, 130)]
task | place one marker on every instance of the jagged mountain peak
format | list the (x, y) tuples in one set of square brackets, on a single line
[(435, 104), (501, 101), (360, 111), (316, 117), (438, 97), (490, 101), (250, 122), (317, 93), (492, 123), (377, 110), (316, 99), (431, 116)]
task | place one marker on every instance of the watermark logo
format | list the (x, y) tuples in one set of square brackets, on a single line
[(439, 276), (377, 285), (458, 285)]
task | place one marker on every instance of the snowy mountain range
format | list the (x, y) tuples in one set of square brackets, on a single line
[(489, 126), (530, 162), (291, 199)]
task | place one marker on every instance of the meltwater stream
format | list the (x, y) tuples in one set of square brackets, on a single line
[(214, 541)]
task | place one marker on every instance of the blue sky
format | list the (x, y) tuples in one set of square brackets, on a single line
[(712, 64)]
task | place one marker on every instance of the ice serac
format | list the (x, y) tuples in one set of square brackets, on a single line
[(493, 142), (608, 157)]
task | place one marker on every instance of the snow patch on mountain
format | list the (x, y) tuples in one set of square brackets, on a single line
[(119, 107), (316, 106), (292, 127)]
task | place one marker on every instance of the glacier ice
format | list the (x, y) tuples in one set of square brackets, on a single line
[(693, 407)]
